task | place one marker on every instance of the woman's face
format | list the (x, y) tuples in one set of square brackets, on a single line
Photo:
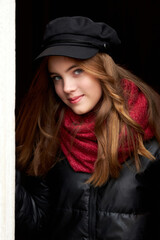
[(77, 89)]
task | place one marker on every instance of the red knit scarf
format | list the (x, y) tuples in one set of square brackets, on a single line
[(78, 141)]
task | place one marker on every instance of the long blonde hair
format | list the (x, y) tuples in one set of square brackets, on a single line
[(41, 114)]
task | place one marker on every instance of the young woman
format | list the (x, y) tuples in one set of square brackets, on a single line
[(88, 135)]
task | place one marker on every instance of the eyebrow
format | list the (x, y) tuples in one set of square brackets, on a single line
[(67, 70)]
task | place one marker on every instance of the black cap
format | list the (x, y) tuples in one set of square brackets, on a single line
[(78, 37)]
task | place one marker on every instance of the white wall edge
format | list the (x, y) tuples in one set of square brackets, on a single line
[(7, 118)]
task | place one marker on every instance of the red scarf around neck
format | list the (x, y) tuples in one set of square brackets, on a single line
[(78, 140)]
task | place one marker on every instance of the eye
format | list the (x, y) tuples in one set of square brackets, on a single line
[(78, 71), (55, 78)]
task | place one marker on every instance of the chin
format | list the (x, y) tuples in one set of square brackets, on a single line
[(81, 111)]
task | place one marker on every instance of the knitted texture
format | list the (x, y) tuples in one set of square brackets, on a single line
[(78, 140)]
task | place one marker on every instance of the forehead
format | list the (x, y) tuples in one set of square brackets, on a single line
[(60, 62)]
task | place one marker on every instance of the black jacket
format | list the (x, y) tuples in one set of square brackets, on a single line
[(65, 207)]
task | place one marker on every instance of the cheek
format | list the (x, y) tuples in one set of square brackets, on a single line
[(58, 90), (94, 87), (97, 93)]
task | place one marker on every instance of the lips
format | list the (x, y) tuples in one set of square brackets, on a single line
[(75, 99)]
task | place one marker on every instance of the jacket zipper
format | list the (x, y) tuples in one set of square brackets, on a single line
[(92, 213)]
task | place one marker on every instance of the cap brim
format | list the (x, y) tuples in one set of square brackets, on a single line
[(79, 52)]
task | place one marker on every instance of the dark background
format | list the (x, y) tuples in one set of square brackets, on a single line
[(136, 21)]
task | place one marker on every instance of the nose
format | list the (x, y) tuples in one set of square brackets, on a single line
[(69, 85)]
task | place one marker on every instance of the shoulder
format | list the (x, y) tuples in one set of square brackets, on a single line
[(153, 147), (149, 173), (146, 179)]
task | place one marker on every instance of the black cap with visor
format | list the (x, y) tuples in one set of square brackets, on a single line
[(77, 37)]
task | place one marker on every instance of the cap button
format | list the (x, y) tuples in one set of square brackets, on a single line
[(105, 45)]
